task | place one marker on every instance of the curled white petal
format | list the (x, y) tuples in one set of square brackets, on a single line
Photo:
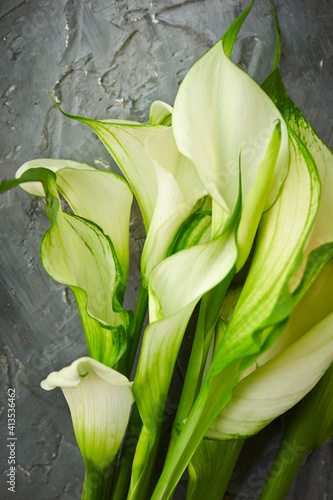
[(100, 401)]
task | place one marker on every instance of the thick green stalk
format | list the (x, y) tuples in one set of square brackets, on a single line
[(209, 311), (125, 365), (306, 426), (123, 475), (211, 467), (141, 479), (97, 483), (286, 463)]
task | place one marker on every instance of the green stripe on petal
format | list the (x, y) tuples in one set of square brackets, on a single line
[(160, 114), (101, 197), (178, 191), (125, 140), (212, 130), (195, 229), (76, 252), (265, 301), (323, 157)]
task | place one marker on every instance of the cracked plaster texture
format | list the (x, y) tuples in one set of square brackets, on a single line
[(104, 59)]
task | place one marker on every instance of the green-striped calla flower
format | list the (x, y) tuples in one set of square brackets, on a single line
[(288, 370), (77, 253), (213, 131), (100, 401), (267, 299), (164, 181), (99, 196), (125, 140)]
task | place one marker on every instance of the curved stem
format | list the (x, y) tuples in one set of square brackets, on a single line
[(125, 364)]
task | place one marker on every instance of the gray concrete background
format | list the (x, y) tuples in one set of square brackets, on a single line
[(106, 59)]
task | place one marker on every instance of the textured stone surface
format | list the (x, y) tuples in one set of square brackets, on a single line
[(104, 59)]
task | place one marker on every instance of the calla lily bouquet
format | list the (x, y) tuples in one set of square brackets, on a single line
[(233, 175)]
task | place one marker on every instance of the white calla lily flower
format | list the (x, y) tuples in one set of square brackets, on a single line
[(100, 401)]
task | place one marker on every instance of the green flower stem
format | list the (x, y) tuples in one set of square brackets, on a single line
[(125, 365), (143, 476), (123, 474), (209, 312), (286, 463), (211, 467), (306, 427), (97, 483)]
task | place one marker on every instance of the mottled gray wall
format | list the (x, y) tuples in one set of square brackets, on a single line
[(103, 59)]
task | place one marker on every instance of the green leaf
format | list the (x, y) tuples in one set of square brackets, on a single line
[(125, 140), (102, 197)]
